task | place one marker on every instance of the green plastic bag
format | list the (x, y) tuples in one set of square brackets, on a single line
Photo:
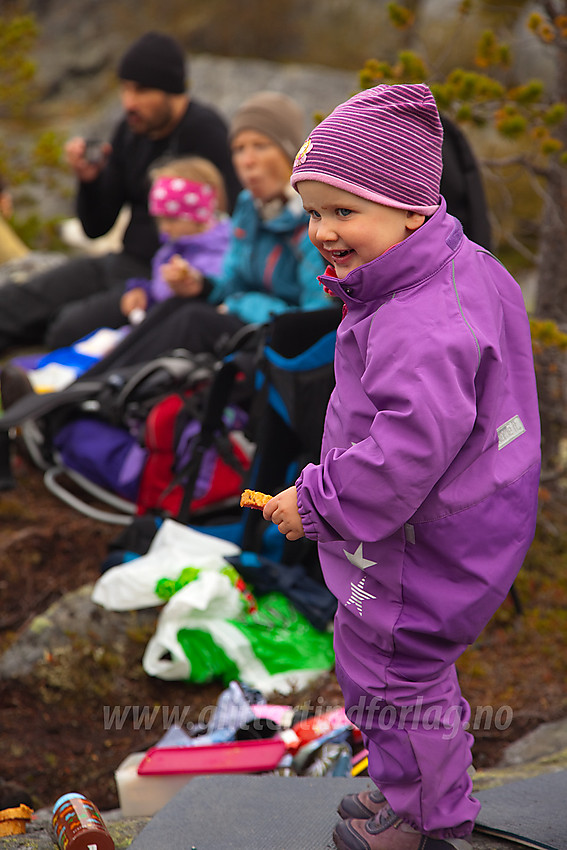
[(272, 647)]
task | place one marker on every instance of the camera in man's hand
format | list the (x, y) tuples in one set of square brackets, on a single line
[(94, 151)]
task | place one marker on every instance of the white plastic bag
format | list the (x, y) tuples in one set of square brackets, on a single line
[(132, 585), (202, 604), (211, 626)]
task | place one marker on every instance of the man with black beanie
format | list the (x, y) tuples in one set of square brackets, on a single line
[(160, 120)]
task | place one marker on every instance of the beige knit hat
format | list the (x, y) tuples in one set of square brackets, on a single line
[(275, 115)]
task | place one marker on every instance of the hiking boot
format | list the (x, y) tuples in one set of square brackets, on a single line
[(386, 831), (363, 805), (14, 385)]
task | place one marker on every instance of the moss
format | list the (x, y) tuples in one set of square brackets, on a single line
[(547, 334), (140, 634), (39, 624), (79, 666), (124, 832)]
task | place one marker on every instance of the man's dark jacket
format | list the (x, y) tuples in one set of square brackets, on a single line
[(124, 180)]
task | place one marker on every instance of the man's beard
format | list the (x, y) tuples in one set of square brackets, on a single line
[(155, 126)]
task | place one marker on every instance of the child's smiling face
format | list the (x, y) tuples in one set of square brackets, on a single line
[(350, 231)]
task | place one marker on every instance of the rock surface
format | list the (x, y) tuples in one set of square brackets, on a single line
[(74, 616), (547, 743)]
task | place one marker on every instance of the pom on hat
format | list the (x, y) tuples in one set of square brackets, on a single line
[(384, 145), (275, 115), (155, 61)]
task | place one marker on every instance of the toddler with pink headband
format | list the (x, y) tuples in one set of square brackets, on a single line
[(188, 201)]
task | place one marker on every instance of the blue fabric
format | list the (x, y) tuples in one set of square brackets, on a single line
[(319, 354), (69, 356), (271, 267), (310, 597)]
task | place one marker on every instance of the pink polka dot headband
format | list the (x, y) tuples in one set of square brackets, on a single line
[(175, 197)]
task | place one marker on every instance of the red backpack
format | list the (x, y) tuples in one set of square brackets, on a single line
[(183, 465)]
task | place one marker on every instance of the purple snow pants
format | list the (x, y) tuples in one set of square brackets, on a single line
[(419, 732)]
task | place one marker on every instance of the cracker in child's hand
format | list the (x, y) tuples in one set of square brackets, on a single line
[(253, 499)]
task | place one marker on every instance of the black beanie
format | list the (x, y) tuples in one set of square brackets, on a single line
[(155, 61)]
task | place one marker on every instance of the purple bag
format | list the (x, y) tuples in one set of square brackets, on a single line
[(105, 454)]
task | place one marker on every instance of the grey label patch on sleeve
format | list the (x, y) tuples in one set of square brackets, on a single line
[(511, 429)]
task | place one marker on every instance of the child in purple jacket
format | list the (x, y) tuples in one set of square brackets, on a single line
[(187, 198), (188, 201), (424, 501)]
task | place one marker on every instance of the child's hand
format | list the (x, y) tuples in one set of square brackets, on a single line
[(134, 299), (282, 511), (182, 278)]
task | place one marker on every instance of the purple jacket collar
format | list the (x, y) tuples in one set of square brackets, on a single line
[(429, 247)]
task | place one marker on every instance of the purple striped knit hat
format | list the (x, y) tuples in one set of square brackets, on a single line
[(384, 145)]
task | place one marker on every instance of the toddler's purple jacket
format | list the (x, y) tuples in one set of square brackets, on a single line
[(424, 502), (205, 251)]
